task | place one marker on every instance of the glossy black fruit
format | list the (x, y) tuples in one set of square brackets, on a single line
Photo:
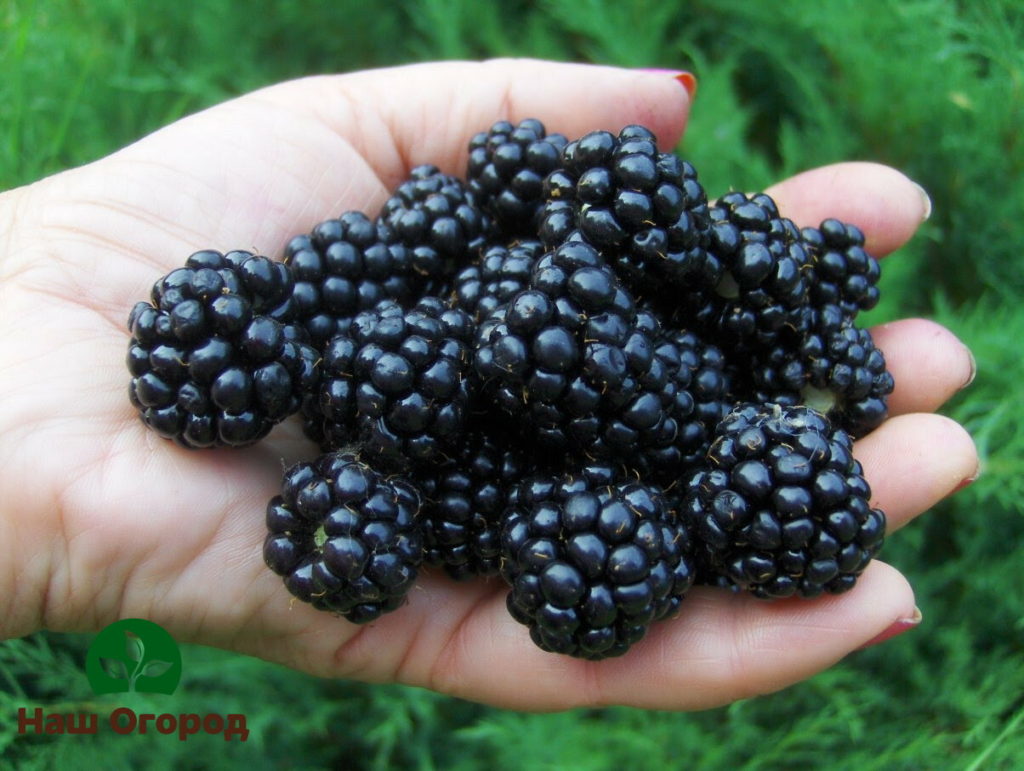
[(593, 560), (438, 219), (573, 360), (214, 357), (344, 536), (781, 507), (499, 275), (842, 272), (643, 209), (834, 367), (465, 496), (506, 171), (396, 383), (343, 266)]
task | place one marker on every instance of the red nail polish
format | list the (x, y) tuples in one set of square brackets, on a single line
[(966, 482), (689, 82), (898, 627), (687, 79)]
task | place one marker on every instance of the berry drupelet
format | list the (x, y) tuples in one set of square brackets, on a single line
[(592, 561), (213, 357), (344, 537), (781, 507), (643, 209), (506, 171)]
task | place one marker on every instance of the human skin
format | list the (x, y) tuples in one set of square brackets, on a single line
[(104, 520)]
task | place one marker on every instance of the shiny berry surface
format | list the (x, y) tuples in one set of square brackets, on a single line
[(345, 537), (215, 357), (780, 506)]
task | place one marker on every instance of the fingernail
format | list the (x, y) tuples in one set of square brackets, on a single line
[(687, 79), (967, 481), (926, 200), (898, 627), (973, 372)]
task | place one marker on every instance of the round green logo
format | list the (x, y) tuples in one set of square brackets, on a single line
[(133, 655)]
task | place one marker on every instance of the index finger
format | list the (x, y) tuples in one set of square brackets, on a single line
[(401, 117), (261, 168)]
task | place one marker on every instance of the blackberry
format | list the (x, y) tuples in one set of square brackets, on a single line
[(841, 271), (592, 561), (342, 267), (438, 218), (329, 414), (573, 360), (835, 367), (701, 387), (506, 171), (761, 289), (643, 209), (213, 357), (501, 273), (464, 498), (781, 507), (344, 537), (396, 382)]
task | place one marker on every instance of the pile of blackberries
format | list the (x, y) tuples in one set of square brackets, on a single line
[(569, 369)]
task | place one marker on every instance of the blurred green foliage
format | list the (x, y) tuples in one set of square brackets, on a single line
[(933, 87)]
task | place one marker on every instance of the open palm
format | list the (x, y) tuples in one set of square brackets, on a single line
[(104, 520)]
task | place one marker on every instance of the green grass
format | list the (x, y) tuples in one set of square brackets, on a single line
[(933, 87)]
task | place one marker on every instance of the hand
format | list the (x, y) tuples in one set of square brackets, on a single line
[(104, 520)]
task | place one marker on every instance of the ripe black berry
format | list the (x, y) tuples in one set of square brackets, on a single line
[(438, 219), (500, 274), (465, 496), (574, 360), (761, 289), (698, 388), (213, 357), (834, 366), (643, 209), (592, 561), (344, 537), (781, 507), (342, 267), (396, 382), (841, 271), (506, 171)]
